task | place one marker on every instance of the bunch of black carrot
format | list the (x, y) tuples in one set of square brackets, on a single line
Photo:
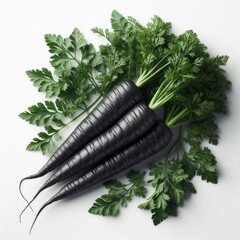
[(174, 72)]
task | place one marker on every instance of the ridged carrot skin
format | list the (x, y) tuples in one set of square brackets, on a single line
[(156, 139), (130, 127), (109, 110)]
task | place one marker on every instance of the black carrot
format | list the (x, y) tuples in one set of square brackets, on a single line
[(129, 128), (156, 139), (110, 109)]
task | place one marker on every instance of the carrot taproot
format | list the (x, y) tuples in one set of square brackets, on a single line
[(156, 139), (130, 127), (108, 111)]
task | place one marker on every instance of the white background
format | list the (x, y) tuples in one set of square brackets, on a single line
[(213, 213)]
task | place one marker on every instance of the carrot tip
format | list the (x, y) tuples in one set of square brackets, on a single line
[(20, 190), (20, 215), (29, 204), (40, 210)]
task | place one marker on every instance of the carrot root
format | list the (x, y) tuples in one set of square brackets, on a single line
[(20, 190), (35, 219), (29, 203)]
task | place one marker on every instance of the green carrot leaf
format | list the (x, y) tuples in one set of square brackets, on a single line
[(41, 114), (200, 161), (77, 39), (45, 141), (137, 179), (171, 186), (106, 205), (119, 194), (45, 82), (73, 84)]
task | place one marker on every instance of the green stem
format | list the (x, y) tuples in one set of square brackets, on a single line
[(85, 107), (169, 113), (95, 84), (72, 56), (162, 95), (155, 105), (86, 110), (176, 144), (79, 115), (165, 167), (178, 119), (145, 77), (90, 77), (75, 59), (128, 189)]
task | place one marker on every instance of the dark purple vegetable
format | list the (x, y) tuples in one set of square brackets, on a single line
[(109, 110), (130, 127), (157, 138)]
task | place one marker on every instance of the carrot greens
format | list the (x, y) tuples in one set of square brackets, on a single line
[(120, 194), (71, 88), (178, 73)]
